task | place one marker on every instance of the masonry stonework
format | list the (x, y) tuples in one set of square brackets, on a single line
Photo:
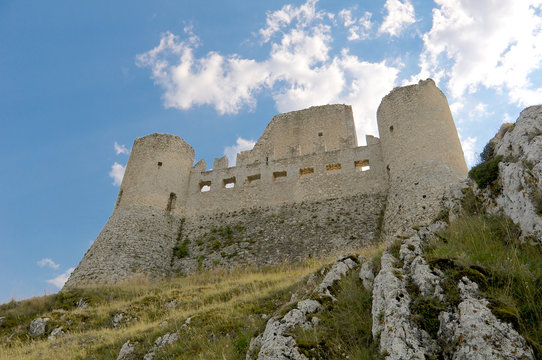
[(305, 189)]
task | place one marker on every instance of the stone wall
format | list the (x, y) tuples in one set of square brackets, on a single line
[(311, 177)]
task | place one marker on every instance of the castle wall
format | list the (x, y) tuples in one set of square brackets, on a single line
[(317, 176)]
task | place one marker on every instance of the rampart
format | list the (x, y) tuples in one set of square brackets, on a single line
[(305, 188)]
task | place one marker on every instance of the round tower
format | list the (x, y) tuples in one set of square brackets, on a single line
[(157, 173), (421, 152)]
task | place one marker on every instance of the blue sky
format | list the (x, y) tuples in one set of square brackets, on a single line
[(79, 81)]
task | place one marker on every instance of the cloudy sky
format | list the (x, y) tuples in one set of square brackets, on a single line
[(81, 80)]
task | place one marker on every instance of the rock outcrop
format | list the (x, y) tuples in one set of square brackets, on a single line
[(519, 194)]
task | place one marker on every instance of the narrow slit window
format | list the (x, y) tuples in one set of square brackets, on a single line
[(254, 179), (204, 186), (118, 198), (229, 183), (362, 165), (171, 202), (333, 168), (279, 175), (306, 171)]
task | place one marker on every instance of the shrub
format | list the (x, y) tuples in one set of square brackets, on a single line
[(486, 172), (181, 250), (488, 152)]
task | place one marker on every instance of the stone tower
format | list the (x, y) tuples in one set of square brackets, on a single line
[(157, 173), (139, 236), (421, 152)]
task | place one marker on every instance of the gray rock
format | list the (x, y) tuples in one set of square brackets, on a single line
[(162, 341), (126, 350), (56, 333), (478, 333), (37, 327), (366, 273), (166, 339), (117, 319), (337, 271), (171, 304), (520, 173), (81, 304), (308, 306), (1, 319)]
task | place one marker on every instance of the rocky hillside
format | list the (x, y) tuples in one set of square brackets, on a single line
[(467, 286)]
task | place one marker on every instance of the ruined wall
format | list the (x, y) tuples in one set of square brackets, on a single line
[(332, 174), (316, 129)]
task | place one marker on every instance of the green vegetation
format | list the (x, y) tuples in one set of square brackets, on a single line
[(181, 250), (487, 250), (486, 172), (344, 331)]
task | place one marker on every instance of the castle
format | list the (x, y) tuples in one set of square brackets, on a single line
[(306, 188)]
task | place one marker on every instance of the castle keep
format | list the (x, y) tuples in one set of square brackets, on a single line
[(306, 188)]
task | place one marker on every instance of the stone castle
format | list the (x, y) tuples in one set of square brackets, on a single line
[(306, 188)]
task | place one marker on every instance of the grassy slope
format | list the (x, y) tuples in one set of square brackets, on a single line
[(226, 308)]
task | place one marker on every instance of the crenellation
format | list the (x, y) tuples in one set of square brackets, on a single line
[(306, 169)]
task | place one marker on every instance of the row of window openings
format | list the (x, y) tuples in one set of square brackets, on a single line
[(360, 165)]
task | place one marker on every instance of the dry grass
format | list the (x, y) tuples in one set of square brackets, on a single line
[(225, 308)]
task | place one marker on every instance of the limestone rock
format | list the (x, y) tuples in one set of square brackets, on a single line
[(391, 315), (56, 333), (162, 341), (366, 273), (337, 271), (37, 327), (478, 333), (126, 350), (520, 172)]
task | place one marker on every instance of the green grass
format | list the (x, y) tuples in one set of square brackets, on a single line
[(345, 328), (488, 251)]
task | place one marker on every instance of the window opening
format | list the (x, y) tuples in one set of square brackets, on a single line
[(171, 202), (254, 178), (391, 128), (333, 168), (277, 175), (306, 171), (320, 134), (362, 165), (229, 183), (205, 186), (159, 163)]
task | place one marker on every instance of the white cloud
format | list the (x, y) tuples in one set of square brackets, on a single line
[(456, 107), (61, 279), (358, 28), (468, 146), (494, 44), (399, 15), (117, 173), (241, 145), (480, 111), (121, 149), (300, 70), (48, 262)]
